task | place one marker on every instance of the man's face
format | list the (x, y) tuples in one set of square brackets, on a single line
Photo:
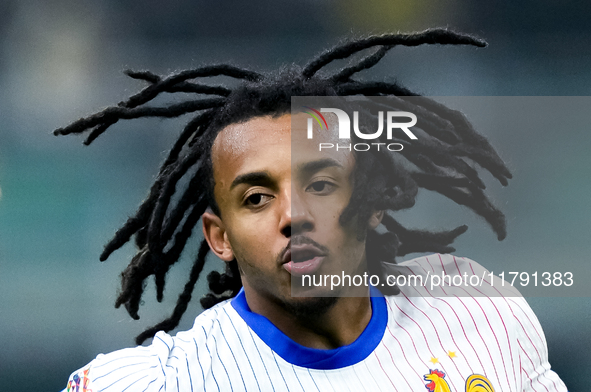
[(280, 201)]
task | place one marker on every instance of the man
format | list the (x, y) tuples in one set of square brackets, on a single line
[(276, 210)]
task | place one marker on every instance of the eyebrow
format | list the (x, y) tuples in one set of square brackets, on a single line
[(254, 178), (314, 166)]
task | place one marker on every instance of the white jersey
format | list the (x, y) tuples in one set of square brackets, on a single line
[(472, 344)]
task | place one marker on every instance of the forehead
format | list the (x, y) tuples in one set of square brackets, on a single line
[(266, 144), (239, 139)]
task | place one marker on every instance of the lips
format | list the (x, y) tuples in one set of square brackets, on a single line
[(303, 259)]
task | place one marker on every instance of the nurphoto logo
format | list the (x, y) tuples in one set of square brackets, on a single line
[(393, 123)]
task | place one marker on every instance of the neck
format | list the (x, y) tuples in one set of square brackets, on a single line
[(321, 323)]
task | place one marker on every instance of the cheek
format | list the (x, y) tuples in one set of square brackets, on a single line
[(250, 247), (345, 238), (327, 215)]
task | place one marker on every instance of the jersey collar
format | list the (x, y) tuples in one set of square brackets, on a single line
[(312, 358)]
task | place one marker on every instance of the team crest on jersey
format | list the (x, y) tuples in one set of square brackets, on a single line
[(474, 383), (79, 382)]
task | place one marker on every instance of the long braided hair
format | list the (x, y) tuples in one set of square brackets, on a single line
[(165, 220)]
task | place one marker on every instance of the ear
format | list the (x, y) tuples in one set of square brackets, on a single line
[(375, 219), (216, 236)]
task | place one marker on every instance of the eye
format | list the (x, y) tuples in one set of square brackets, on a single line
[(321, 187), (257, 200)]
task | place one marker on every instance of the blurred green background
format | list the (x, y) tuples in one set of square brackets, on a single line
[(61, 201)]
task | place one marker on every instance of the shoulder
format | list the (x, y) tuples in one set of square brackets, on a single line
[(458, 288), (446, 275), (169, 363), (135, 368), (461, 302)]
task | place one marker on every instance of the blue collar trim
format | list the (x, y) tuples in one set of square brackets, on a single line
[(312, 358)]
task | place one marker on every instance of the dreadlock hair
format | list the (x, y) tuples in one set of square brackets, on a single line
[(165, 219)]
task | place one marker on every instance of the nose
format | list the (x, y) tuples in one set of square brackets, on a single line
[(301, 221), (285, 213)]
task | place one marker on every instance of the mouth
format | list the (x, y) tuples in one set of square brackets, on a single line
[(303, 259)]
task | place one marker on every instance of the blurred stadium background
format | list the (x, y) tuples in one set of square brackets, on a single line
[(61, 201)]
